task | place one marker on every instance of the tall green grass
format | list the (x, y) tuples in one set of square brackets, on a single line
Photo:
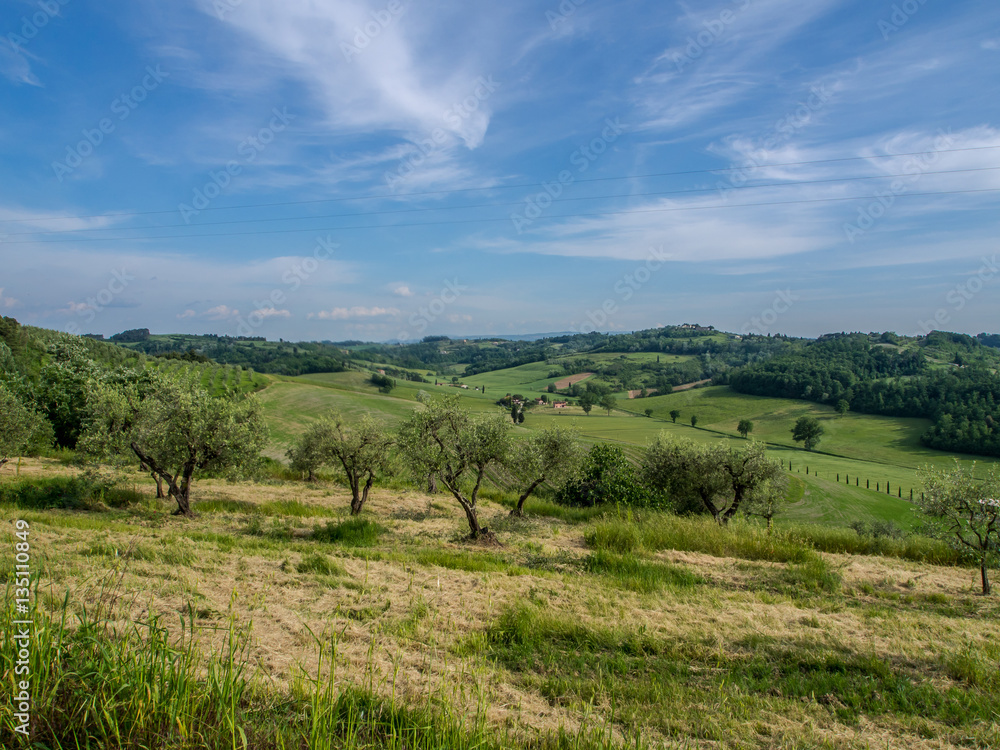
[(748, 540), (653, 532), (664, 681), (66, 493), (635, 574), (354, 532), (841, 540), (101, 684)]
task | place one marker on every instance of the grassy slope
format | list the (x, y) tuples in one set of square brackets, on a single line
[(873, 449), (890, 440), (686, 634)]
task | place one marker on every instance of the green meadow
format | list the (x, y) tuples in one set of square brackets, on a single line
[(844, 480)]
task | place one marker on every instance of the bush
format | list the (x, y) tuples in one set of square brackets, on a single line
[(607, 477), (385, 384)]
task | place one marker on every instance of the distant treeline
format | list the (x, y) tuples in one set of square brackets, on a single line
[(280, 358), (960, 395)]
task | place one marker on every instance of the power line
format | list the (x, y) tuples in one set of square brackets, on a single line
[(383, 196), (491, 221), (689, 191)]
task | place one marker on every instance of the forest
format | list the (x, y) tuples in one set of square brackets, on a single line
[(960, 395)]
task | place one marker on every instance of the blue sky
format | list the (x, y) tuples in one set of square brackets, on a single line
[(392, 169)]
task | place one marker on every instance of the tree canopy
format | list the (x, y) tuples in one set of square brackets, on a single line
[(550, 455), (965, 511), (175, 432), (715, 478), (448, 441), (20, 425), (807, 430)]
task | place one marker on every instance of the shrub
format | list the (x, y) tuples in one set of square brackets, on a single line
[(607, 477)]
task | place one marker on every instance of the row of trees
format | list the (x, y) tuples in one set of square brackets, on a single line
[(177, 432), (443, 442), (460, 451)]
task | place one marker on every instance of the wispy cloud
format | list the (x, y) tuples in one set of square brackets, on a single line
[(14, 65), (364, 80), (272, 312), (351, 313), (724, 53)]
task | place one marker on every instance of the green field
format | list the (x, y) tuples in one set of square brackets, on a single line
[(870, 438), (859, 448), (631, 357)]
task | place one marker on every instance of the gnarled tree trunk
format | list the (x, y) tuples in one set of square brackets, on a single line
[(519, 508), (358, 499)]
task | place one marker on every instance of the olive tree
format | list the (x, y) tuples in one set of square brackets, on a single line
[(175, 432), (361, 449), (458, 447), (965, 512), (757, 485), (306, 455), (685, 472), (20, 425), (550, 455), (721, 477)]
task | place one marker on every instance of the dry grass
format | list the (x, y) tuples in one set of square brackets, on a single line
[(409, 626)]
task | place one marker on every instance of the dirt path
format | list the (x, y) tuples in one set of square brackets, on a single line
[(567, 382), (649, 392), (689, 386)]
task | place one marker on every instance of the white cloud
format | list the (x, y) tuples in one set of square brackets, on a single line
[(781, 221), (721, 57), (220, 312), (7, 301), (29, 221), (991, 44), (400, 291), (186, 314), (272, 312), (75, 308), (350, 313)]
